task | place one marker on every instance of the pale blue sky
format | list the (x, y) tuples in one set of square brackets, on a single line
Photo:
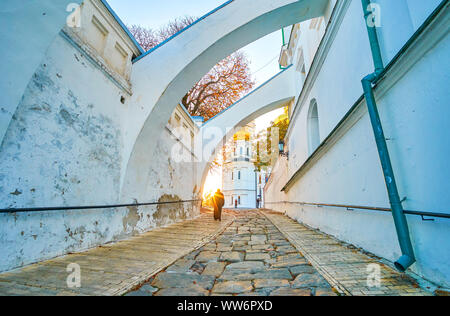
[(263, 54)]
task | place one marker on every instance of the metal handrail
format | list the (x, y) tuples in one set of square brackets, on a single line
[(78, 208), (369, 208)]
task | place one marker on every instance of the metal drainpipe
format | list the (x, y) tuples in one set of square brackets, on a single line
[(401, 224)]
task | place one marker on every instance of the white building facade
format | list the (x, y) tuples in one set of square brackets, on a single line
[(261, 179), (239, 177)]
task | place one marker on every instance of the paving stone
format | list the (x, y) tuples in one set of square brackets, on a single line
[(302, 269), (148, 288), (221, 294), (274, 274), (242, 248), (209, 247), (289, 263), (189, 291), (224, 248), (138, 293), (208, 256), (145, 290), (254, 293), (324, 292), (258, 232), (249, 266), (224, 239), (181, 265), (256, 242), (241, 237), (198, 267), (242, 275), (226, 243), (270, 283), (257, 256), (265, 291), (285, 258), (285, 291), (309, 280), (182, 280), (280, 243), (275, 234), (232, 256), (286, 249), (214, 268), (233, 287), (262, 247), (253, 251), (192, 255)]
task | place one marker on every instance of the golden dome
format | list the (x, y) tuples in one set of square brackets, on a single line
[(242, 135), (245, 133)]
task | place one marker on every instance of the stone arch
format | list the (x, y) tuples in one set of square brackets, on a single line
[(162, 77), (205, 164), (274, 94)]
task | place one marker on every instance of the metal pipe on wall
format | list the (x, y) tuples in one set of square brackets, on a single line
[(401, 224)]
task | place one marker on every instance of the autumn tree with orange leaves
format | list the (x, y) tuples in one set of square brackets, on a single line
[(222, 86)]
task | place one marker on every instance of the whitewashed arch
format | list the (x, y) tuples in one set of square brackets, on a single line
[(276, 93), (161, 78)]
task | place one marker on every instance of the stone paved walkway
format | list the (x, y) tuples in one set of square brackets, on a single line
[(257, 253), (114, 269), (266, 253), (251, 257)]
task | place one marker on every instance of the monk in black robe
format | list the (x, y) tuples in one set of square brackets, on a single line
[(218, 201)]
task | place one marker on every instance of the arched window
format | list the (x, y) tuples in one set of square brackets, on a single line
[(239, 175), (239, 200), (313, 127), (232, 175), (248, 151)]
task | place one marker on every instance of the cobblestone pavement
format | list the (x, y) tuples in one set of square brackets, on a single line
[(346, 268), (261, 253), (251, 257), (114, 269)]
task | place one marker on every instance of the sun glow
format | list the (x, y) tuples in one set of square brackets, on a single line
[(213, 182)]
